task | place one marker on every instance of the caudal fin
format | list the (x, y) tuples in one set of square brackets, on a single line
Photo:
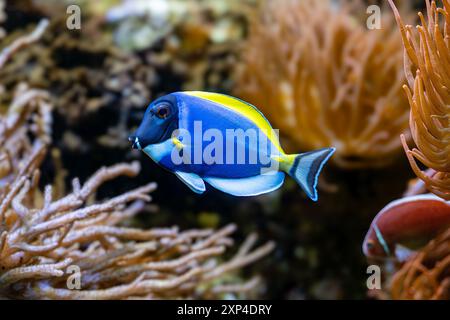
[(306, 167)]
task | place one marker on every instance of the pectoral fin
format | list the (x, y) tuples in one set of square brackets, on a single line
[(246, 187), (403, 253), (192, 180)]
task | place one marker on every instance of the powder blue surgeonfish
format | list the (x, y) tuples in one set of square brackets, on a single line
[(224, 141)]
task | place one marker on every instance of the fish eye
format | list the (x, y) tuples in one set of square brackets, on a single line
[(163, 111), (370, 245)]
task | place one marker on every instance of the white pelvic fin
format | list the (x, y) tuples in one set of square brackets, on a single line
[(246, 187), (192, 180)]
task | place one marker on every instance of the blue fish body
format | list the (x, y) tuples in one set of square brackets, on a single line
[(225, 142), (216, 117)]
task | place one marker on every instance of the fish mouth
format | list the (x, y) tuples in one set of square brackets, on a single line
[(136, 145), (140, 142)]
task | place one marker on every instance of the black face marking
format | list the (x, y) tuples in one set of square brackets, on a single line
[(160, 120)]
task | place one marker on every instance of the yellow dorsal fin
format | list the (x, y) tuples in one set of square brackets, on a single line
[(244, 108)]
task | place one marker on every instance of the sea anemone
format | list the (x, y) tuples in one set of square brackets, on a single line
[(324, 79), (426, 274), (427, 68)]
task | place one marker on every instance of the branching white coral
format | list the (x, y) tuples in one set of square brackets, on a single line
[(39, 245), (75, 247)]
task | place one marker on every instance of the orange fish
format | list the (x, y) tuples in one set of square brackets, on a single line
[(403, 221)]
